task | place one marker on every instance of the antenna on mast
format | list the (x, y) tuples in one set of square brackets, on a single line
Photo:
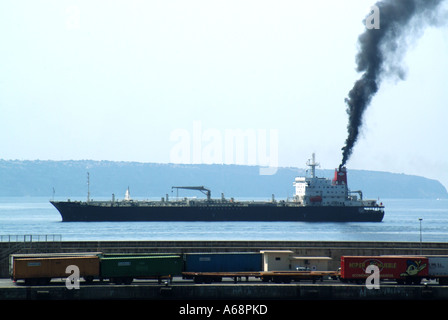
[(313, 164)]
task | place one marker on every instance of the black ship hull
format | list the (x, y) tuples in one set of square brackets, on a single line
[(82, 211)]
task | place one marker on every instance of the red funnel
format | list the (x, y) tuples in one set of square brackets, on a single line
[(340, 176)]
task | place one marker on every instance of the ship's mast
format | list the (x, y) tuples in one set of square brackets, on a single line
[(88, 187), (313, 164)]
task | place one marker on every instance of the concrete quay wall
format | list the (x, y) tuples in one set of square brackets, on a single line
[(227, 292), (332, 249)]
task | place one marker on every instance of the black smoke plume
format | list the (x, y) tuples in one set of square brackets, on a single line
[(380, 51)]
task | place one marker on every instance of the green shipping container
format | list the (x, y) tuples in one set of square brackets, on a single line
[(123, 269)]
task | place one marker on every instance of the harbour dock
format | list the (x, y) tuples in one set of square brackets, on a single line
[(227, 290)]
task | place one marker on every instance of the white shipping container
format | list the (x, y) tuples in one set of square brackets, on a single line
[(438, 266)]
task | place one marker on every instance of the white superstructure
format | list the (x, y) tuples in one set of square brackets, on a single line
[(326, 192)]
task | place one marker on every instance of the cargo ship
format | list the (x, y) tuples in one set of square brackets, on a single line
[(315, 199)]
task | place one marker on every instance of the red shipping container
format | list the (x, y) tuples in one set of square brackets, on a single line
[(390, 267)]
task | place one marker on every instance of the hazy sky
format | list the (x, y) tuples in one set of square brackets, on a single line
[(138, 80)]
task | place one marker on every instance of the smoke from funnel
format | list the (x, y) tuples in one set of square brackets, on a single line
[(379, 54)]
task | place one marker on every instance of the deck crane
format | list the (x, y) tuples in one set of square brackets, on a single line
[(200, 188)]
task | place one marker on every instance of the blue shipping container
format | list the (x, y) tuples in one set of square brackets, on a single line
[(223, 262)]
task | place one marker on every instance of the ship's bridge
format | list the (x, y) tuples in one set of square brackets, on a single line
[(321, 191)]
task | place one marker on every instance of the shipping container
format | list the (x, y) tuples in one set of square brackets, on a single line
[(123, 268), (438, 265), (42, 270), (15, 256), (223, 262), (141, 254), (438, 268), (403, 269)]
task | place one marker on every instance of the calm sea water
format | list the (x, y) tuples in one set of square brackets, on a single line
[(36, 216)]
